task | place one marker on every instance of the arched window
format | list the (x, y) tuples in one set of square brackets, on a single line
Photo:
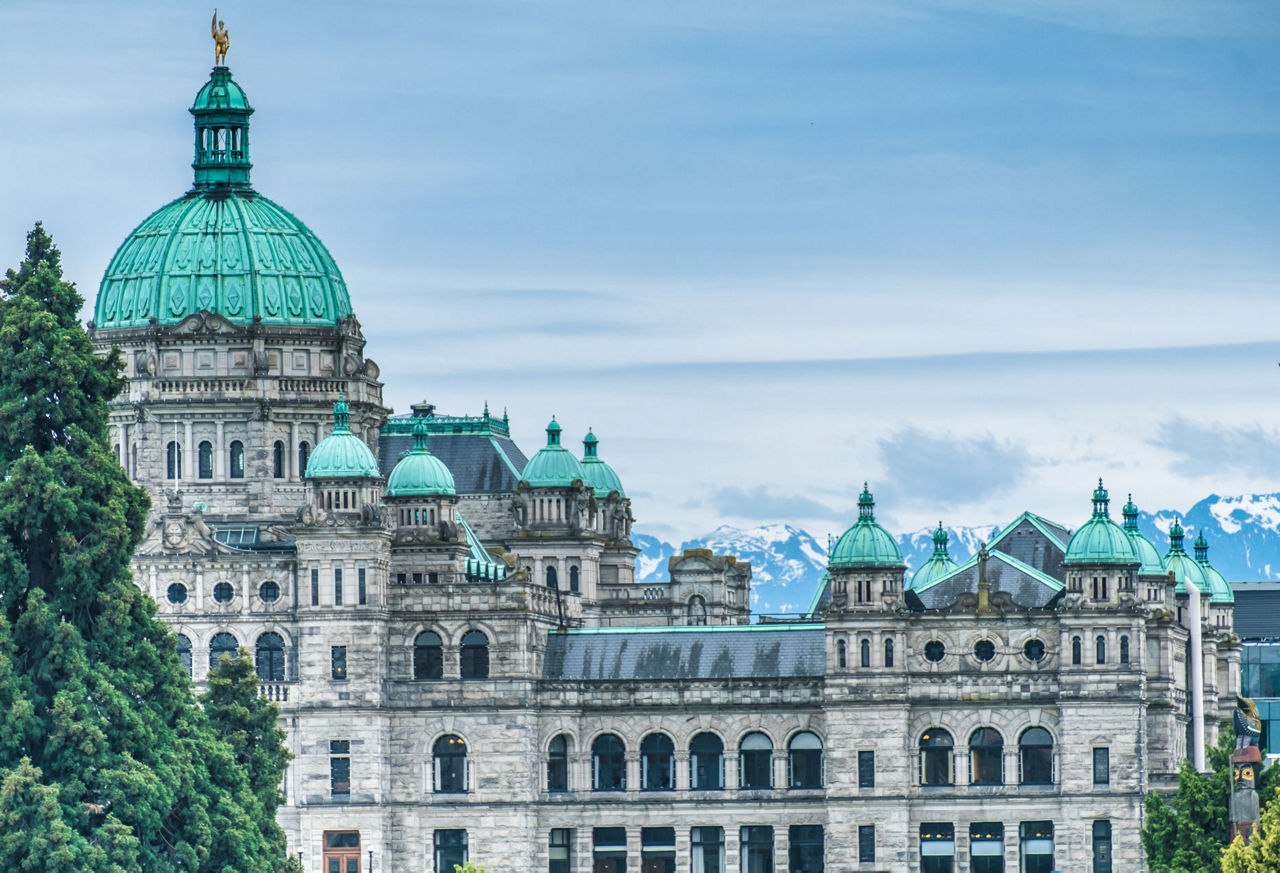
[(888, 653), (277, 460), (986, 757), (706, 762), (428, 656), (804, 761), (553, 580), (184, 652), (558, 763), (304, 452), (1035, 751), (1101, 646), (173, 460), (864, 653), (755, 761), (204, 459), (697, 610), (269, 657), (574, 581), (1076, 650), (608, 764), (1124, 650), (657, 763), (450, 758), (475, 655), (937, 754), (237, 459), (842, 658), (222, 644)]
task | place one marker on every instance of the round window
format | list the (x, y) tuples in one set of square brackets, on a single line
[(984, 650), (269, 592), (177, 593), (223, 592), (1034, 650), (934, 650)]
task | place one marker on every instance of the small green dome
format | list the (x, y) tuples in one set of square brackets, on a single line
[(420, 473), (220, 93), (1146, 551), (940, 563), (553, 466), (596, 473), (1182, 565), (866, 544), (1218, 584), (1100, 540), (342, 454)]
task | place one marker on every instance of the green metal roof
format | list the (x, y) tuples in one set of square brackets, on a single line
[(865, 544), (1182, 565), (1100, 540), (420, 473), (553, 466), (1146, 551), (220, 93), (993, 555), (480, 565), (940, 563), (1220, 587), (342, 454), (447, 424), (599, 475)]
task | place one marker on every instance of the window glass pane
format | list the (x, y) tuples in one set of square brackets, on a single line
[(757, 849), (1101, 766), (805, 854), (866, 769), (866, 844), (707, 850)]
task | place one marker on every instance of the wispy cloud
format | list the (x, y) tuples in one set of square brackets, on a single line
[(950, 468), (764, 504), (1205, 448)]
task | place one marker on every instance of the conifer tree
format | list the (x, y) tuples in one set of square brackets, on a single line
[(1262, 853), (106, 761)]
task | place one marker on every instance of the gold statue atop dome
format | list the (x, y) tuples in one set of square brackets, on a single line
[(221, 40)]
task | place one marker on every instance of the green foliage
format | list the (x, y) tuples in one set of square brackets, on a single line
[(1262, 854), (1188, 832), (465, 868), (106, 761)]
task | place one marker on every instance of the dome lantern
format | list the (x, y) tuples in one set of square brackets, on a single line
[(221, 112), (1146, 551), (940, 563), (553, 466), (866, 543), (599, 475)]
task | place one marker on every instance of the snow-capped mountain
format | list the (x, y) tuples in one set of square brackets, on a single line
[(1243, 533)]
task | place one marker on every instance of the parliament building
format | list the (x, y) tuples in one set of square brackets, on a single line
[(467, 668)]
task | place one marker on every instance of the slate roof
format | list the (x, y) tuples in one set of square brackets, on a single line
[(1257, 610), (1025, 584), (1035, 541), (744, 652), (481, 463)]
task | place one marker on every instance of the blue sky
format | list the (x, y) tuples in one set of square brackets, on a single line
[(978, 253)]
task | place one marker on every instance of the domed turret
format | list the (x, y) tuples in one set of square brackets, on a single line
[(1218, 584), (599, 475), (342, 454), (1146, 551), (940, 563), (1100, 541), (1183, 567), (419, 473), (553, 466), (865, 544)]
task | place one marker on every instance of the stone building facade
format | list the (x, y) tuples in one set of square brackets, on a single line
[(467, 668)]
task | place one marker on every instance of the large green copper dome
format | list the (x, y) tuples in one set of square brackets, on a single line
[(1100, 540), (553, 466), (420, 473), (599, 475), (222, 246), (866, 544)]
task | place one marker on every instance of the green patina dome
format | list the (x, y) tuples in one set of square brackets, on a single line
[(1100, 540), (1143, 547), (420, 473), (553, 466), (940, 563), (221, 247), (1182, 565), (596, 473), (342, 454), (1218, 584), (866, 544)]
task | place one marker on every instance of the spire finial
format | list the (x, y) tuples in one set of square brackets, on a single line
[(590, 444), (553, 432), (341, 414), (866, 504), (1100, 501), (221, 40)]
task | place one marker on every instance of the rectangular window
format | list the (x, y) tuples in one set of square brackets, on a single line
[(708, 850), (433, 578), (337, 587), (338, 662), (866, 844), (362, 589), (1102, 766), (315, 587), (1102, 846), (560, 851), (451, 849), (757, 849), (401, 578), (937, 847), (342, 851), (340, 769), (417, 578), (986, 847), (805, 853), (609, 850), (658, 850), (866, 769), (1037, 846)]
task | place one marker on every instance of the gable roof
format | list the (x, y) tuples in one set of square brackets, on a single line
[(1027, 586), (1035, 541)]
